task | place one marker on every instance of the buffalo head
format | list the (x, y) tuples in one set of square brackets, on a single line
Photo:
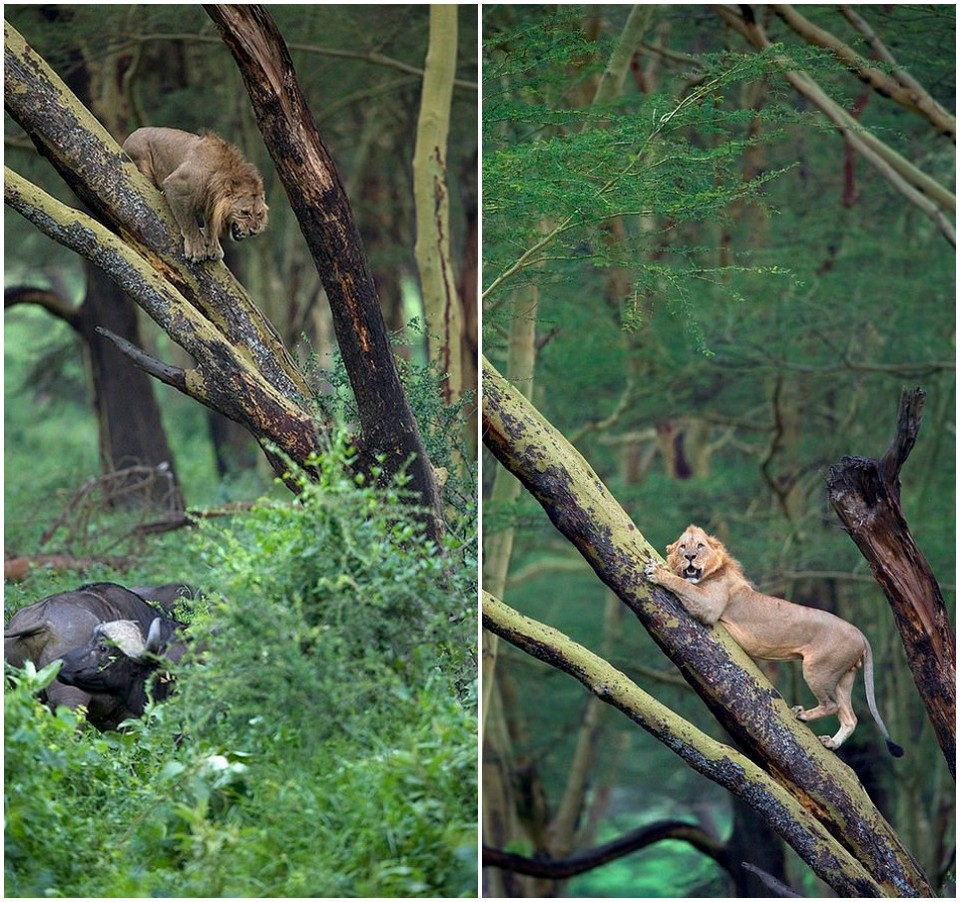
[(118, 662)]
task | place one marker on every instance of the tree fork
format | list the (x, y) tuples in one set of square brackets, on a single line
[(760, 721)]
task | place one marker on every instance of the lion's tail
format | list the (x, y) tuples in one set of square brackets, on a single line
[(892, 747)]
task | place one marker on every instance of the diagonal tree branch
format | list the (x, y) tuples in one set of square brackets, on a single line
[(89, 160), (222, 379), (899, 86), (714, 759), (924, 192)]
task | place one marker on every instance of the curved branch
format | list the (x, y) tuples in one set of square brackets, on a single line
[(564, 868), (45, 299)]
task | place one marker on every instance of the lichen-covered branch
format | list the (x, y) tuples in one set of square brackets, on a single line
[(716, 760), (222, 378), (90, 161)]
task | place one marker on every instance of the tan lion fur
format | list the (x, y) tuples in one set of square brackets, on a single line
[(211, 189), (711, 585)]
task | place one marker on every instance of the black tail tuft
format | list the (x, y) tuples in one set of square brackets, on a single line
[(894, 749)]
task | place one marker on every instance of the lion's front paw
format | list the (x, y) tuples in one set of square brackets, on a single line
[(799, 712), (194, 249), (198, 251), (828, 742), (650, 571)]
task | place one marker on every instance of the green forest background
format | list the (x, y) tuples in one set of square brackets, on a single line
[(327, 746), (724, 300)]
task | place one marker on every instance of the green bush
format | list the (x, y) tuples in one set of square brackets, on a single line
[(323, 743)]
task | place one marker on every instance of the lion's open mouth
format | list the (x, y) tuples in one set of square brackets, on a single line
[(237, 233), (692, 574)]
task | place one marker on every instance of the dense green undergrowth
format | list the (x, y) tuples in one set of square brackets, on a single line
[(323, 744)]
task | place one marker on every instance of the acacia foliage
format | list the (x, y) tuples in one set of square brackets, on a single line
[(325, 745), (559, 165)]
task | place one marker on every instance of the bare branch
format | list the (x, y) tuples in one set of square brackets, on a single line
[(169, 375), (48, 300), (904, 91), (565, 868)]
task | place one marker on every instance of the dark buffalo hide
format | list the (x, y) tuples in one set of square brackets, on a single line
[(55, 626)]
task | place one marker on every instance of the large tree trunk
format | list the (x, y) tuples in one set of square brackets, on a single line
[(131, 432), (320, 204), (240, 365), (758, 719)]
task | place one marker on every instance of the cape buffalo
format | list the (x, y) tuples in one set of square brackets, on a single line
[(168, 596), (117, 662), (49, 629)]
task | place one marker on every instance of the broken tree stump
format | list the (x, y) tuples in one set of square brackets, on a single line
[(865, 493)]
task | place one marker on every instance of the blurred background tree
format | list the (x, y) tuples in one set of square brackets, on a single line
[(715, 286)]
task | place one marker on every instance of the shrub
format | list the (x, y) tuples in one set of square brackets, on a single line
[(323, 744)]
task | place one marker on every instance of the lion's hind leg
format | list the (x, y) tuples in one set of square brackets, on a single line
[(835, 697)]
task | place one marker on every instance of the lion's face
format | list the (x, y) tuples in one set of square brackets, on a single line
[(247, 215), (695, 555)]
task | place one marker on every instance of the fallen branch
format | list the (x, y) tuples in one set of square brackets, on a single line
[(564, 868), (15, 569)]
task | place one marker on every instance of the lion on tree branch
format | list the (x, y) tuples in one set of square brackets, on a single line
[(211, 189)]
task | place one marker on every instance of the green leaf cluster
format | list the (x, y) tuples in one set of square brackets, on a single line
[(558, 175)]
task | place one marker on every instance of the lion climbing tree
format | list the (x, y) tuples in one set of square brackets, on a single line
[(241, 367), (806, 794)]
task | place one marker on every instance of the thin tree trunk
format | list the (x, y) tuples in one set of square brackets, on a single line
[(437, 279), (501, 825)]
